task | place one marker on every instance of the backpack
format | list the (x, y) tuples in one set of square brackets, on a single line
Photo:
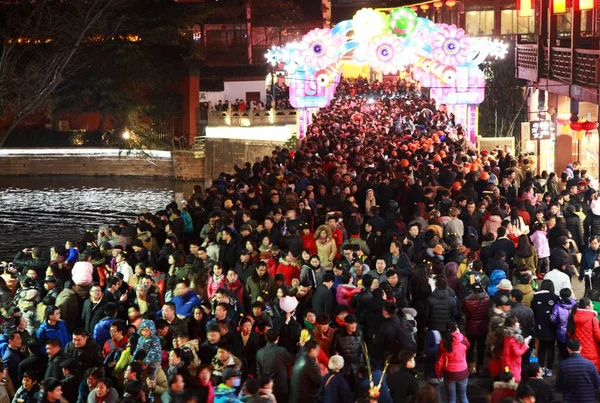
[(112, 358)]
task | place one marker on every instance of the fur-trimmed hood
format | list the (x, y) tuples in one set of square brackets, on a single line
[(323, 227), (506, 385), (513, 332)]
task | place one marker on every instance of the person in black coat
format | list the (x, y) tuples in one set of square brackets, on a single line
[(287, 327), (545, 330), (577, 378), (403, 383), (560, 255), (272, 362), (441, 307), (55, 357), (361, 301), (72, 379), (502, 243), (35, 360), (322, 300), (229, 250), (84, 350), (347, 342), (533, 377), (393, 336), (306, 376), (93, 308)]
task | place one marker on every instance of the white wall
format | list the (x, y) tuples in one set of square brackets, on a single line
[(238, 89)]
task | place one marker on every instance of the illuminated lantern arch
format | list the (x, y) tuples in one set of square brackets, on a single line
[(443, 57)]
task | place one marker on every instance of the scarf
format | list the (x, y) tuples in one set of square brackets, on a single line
[(211, 390)]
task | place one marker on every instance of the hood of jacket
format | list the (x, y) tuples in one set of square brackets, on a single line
[(583, 316), (495, 218), (440, 294), (506, 385), (567, 305), (497, 276), (285, 262), (510, 331), (323, 227), (147, 324)]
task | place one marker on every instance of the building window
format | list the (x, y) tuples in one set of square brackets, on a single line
[(480, 23), (225, 38), (563, 24), (512, 24)]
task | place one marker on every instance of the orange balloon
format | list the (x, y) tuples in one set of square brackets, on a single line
[(442, 154), (404, 163), (436, 158)]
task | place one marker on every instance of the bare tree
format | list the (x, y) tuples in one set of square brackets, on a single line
[(44, 43)]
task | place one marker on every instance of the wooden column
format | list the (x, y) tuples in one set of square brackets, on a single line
[(575, 38)]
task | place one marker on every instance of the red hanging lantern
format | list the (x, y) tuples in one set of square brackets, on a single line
[(589, 126), (577, 126), (424, 7), (450, 3), (438, 4), (559, 6), (414, 8)]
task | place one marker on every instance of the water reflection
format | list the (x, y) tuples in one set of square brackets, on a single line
[(41, 211)]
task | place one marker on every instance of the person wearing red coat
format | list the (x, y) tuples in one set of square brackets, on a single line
[(308, 240), (288, 268), (452, 364), (505, 387), (583, 326), (475, 307), (513, 347)]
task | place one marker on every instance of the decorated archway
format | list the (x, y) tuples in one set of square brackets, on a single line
[(443, 58)]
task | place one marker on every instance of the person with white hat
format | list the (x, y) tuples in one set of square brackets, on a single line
[(287, 326), (334, 387)]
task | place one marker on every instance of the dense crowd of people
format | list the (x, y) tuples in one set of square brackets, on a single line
[(326, 273)]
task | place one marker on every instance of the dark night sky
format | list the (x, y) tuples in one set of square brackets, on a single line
[(345, 9)]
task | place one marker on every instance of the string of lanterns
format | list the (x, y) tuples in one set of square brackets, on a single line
[(436, 4), (526, 8)]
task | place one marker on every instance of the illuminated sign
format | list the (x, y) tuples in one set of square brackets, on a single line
[(542, 130), (444, 58)]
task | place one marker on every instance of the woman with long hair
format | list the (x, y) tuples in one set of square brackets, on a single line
[(517, 223), (513, 347), (545, 330), (420, 290), (525, 254), (583, 326), (326, 247), (452, 364), (261, 284)]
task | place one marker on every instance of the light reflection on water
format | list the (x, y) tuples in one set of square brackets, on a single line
[(44, 211)]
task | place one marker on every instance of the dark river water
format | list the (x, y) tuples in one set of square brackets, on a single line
[(40, 211)]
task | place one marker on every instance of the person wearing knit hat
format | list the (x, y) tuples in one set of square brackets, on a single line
[(505, 285), (336, 363)]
